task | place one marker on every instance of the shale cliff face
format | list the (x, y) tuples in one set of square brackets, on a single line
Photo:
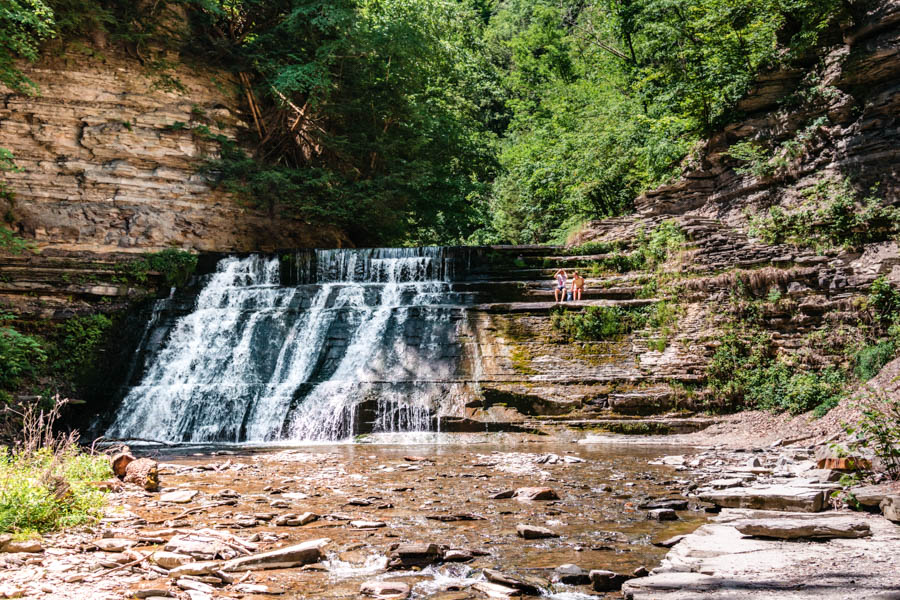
[(109, 161)]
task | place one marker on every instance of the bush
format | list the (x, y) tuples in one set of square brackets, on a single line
[(597, 322), (593, 248), (884, 301), (20, 356), (78, 341), (175, 265), (871, 358), (879, 430)]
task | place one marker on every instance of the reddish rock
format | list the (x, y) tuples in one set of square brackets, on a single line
[(143, 472), (535, 493)]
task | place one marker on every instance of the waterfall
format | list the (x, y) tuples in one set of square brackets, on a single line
[(356, 341)]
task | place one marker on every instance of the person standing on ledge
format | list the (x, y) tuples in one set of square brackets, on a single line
[(560, 292), (577, 286)]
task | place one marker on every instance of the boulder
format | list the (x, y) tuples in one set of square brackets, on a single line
[(458, 555), (533, 532), (790, 529), (570, 574), (662, 514), (607, 581), (30, 546), (503, 495), (387, 590), (870, 495), (119, 463), (535, 493), (283, 558), (143, 472), (414, 555)]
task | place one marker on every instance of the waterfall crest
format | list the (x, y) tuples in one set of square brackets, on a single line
[(354, 341)]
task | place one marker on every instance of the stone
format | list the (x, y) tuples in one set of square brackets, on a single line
[(255, 588), (503, 495), (570, 574), (179, 496), (197, 586), (845, 463), (673, 503), (668, 543), (823, 475), (790, 529), (458, 555), (890, 508), (143, 472), (870, 495), (414, 555), (387, 590), (170, 560), (195, 569), (152, 592), (359, 502), (533, 532), (199, 546), (119, 462), (662, 514), (495, 590), (114, 544), (28, 546), (292, 520), (528, 585), (535, 493), (720, 484), (607, 581), (368, 524), (769, 498), (282, 558)]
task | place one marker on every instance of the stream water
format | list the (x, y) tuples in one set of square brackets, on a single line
[(598, 516)]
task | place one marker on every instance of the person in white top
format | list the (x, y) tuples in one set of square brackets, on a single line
[(560, 292)]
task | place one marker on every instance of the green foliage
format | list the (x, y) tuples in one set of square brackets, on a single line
[(831, 216), (869, 359), (597, 322), (756, 159), (42, 492), (20, 356), (23, 25), (884, 301), (175, 265), (879, 430), (589, 248), (744, 372), (77, 342)]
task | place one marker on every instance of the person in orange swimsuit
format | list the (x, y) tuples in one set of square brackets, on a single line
[(577, 286)]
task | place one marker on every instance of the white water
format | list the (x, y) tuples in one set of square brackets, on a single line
[(250, 363)]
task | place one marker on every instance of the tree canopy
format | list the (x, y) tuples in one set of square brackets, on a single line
[(452, 121)]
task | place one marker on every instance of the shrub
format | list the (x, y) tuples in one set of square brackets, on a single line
[(78, 341), (20, 355), (879, 430), (598, 247), (597, 322), (869, 359), (175, 265), (884, 301)]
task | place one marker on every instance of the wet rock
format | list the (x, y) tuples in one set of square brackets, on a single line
[(673, 503), (143, 472), (721, 484), (152, 592), (119, 463), (283, 558), (29, 546), (570, 574), (456, 517), (179, 496), (641, 571), (368, 524), (255, 588), (528, 585), (495, 590), (534, 532), (607, 581), (890, 508), (503, 495), (227, 493), (458, 555), (414, 555), (359, 502), (196, 569), (170, 560), (789, 529), (769, 498), (387, 590), (415, 458), (668, 543), (662, 514), (201, 547), (535, 493)]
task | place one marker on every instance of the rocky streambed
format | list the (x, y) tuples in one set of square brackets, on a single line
[(455, 520), (474, 517)]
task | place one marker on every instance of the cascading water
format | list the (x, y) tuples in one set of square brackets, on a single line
[(358, 341)]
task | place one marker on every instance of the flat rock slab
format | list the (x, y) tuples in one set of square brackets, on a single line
[(534, 532), (535, 493), (791, 529), (495, 590), (717, 562), (179, 496), (283, 558), (386, 590), (786, 498)]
